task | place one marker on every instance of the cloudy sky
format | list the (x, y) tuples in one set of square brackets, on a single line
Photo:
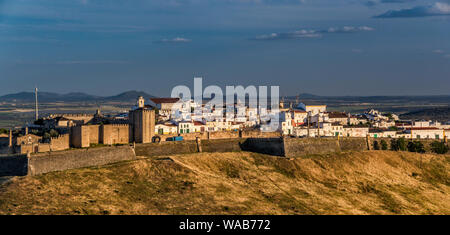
[(324, 47)]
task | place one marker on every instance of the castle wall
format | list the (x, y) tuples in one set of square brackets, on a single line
[(272, 146), (57, 161), (297, 147), (187, 146), (223, 135), (114, 134), (259, 134), (62, 160), (94, 134), (59, 143)]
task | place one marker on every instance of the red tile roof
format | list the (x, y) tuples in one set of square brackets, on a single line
[(164, 100), (337, 115), (422, 128)]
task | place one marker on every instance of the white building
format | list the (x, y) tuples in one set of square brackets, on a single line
[(166, 128)]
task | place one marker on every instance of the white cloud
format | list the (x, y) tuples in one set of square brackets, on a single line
[(92, 62), (436, 9), (175, 40), (309, 33), (349, 29)]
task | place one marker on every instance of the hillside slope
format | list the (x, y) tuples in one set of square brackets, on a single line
[(441, 114), (373, 182)]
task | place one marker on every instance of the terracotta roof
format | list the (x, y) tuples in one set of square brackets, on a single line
[(423, 128), (337, 115), (197, 123), (299, 111), (164, 100)]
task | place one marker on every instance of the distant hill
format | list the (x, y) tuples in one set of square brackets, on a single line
[(48, 97), (71, 97), (439, 114), (129, 96)]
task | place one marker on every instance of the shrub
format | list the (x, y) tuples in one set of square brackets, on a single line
[(439, 147), (376, 146), (399, 144), (384, 145), (416, 147), (394, 146)]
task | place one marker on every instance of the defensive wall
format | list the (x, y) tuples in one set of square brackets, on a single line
[(188, 146), (282, 146), (295, 147), (78, 158)]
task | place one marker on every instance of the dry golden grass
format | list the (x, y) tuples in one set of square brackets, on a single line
[(372, 182)]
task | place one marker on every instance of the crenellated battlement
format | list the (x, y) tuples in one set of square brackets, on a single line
[(117, 125), (59, 137), (70, 115)]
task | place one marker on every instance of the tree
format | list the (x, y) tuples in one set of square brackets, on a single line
[(3, 131), (46, 136), (402, 145), (439, 147), (53, 133), (384, 145)]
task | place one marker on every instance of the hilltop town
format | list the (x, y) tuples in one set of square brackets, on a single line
[(174, 119)]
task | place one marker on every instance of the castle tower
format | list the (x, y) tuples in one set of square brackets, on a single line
[(142, 123)]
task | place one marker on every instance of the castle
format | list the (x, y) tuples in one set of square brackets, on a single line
[(85, 130)]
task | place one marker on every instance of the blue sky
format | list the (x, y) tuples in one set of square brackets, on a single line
[(324, 47)]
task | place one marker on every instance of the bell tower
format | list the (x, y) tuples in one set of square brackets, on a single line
[(141, 102)]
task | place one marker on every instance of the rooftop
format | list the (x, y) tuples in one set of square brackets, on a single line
[(337, 115), (164, 100)]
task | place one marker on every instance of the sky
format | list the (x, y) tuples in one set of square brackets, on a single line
[(323, 47)]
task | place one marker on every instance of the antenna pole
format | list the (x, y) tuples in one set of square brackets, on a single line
[(36, 103)]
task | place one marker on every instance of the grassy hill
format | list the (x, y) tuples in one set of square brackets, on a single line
[(441, 114), (372, 182)]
